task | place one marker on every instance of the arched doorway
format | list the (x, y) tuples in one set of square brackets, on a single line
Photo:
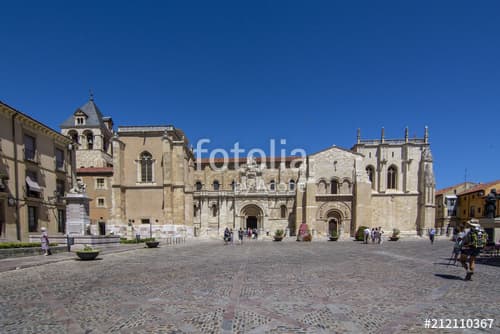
[(334, 222), (252, 217)]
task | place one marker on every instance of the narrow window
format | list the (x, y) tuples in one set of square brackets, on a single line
[(391, 177), (334, 187), (291, 185), (283, 211), (272, 185), (146, 167), (59, 159), (61, 221), (214, 210), (32, 219), (216, 185), (29, 147)]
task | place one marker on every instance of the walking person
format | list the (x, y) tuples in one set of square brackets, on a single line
[(227, 236), (457, 248), (432, 234), (372, 234), (366, 234), (380, 233), (240, 235), (44, 238), (473, 242)]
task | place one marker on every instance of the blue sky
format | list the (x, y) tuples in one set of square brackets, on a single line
[(248, 71)]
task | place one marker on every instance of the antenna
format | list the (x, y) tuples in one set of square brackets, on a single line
[(465, 178)]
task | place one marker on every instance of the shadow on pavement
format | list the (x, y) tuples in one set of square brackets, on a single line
[(489, 261), (451, 277)]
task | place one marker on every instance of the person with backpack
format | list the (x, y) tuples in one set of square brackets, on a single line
[(473, 242)]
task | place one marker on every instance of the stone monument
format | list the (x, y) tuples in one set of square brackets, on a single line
[(490, 208), (77, 210)]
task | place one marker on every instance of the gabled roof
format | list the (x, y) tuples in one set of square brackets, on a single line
[(456, 186), (337, 148), (94, 116), (479, 187)]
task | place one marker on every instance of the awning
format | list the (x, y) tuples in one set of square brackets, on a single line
[(33, 185)]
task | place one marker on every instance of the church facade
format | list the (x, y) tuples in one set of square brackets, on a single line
[(158, 186)]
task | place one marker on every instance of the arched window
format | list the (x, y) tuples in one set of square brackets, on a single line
[(89, 137), (334, 187), (272, 185), (291, 185), (214, 210), (391, 177), (199, 186), (283, 211), (216, 185), (322, 187), (74, 136), (146, 167), (233, 185)]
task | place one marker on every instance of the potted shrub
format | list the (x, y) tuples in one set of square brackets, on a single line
[(279, 235), (152, 243), (334, 236), (395, 235), (87, 253)]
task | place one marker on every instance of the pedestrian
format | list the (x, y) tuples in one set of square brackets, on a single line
[(44, 238), (226, 236), (240, 235), (380, 234), (372, 235), (473, 242), (366, 233), (457, 248), (432, 234), (376, 235)]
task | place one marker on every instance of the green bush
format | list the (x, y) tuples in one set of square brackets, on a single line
[(395, 232), (279, 233), (360, 236), (134, 241), (5, 245)]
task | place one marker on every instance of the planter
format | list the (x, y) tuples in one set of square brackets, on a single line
[(87, 255), (152, 244), (278, 238), (334, 238), (393, 238)]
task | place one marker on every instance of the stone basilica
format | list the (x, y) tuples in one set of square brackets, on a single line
[(147, 180)]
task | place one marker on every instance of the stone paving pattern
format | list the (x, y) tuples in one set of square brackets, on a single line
[(257, 287)]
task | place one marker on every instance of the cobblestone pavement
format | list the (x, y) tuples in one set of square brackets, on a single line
[(258, 287)]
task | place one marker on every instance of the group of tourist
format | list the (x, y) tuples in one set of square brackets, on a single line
[(249, 233), (375, 234)]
